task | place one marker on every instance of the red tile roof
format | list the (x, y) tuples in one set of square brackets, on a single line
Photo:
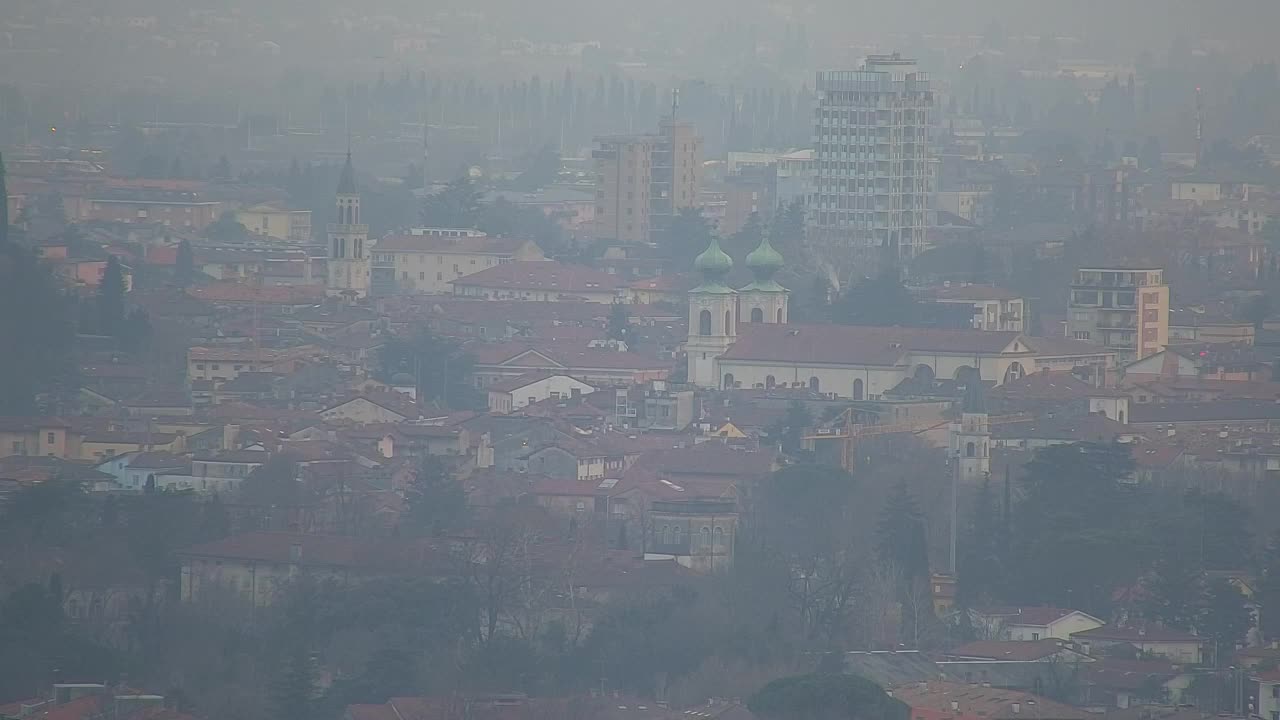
[(987, 702), (1139, 633), (484, 245), (1040, 616), (370, 554), (1013, 650), (857, 345), (543, 276)]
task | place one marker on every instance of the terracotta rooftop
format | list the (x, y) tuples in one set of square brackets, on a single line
[(1243, 410), (1009, 650), (857, 345), (987, 702), (543, 276), (483, 245), (374, 554), (1139, 633), (1038, 615)]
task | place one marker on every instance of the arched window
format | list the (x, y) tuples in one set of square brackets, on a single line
[(970, 450), (857, 389), (676, 538), (757, 315), (705, 537), (780, 321), (704, 322), (666, 534), (1014, 372), (769, 382), (728, 322), (719, 537), (728, 381), (813, 384), (1120, 417)]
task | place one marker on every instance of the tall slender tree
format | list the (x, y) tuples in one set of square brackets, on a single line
[(111, 299), (184, 271)]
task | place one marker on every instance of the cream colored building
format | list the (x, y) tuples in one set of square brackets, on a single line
[(274, 220), (1125, 309), (40, 436), (429, 263)]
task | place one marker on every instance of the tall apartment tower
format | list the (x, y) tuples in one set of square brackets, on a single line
[(349, 266), (1125, 309), (642, 181), (873, 178)]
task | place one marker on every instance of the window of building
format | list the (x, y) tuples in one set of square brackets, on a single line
[(439, 276), (199, 366), (704, 322), (216, 366), (49, 438)]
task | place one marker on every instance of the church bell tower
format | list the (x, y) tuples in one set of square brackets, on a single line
[(713, 317), (349, 266)]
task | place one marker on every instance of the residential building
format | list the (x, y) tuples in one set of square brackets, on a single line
[(993, 307), (38, 436), (794, 177), (277, 221), (940, 700), (542, 281), (1148, 638), (873, 174), (752, 191), (172, 209), (1045, 650), (1268, 694), (383, 406), (430, 263), (507, 396), (254, 567), (1122, 308), (349, 265), (1031, 623), (644, 180)]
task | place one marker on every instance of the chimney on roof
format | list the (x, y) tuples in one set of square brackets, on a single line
[(1142, 632), (1017, 708), (955, 706)]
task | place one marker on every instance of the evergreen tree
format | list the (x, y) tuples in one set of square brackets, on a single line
[(36, 318), (184, 270), (1173, 594), (901, 537), (619, 324), (111, 299), (982, 562), (1268, 595), (1225, 617), (435, 500)]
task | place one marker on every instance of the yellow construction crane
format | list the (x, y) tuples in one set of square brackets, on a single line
[(851, 432)]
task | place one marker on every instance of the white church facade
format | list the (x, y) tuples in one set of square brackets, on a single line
[(741, 338)]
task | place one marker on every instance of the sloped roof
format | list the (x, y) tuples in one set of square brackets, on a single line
[(858, 345), (392, 554), (1011, 650), (544, 276), (482, 245)]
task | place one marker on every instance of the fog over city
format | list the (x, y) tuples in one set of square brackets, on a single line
[(618, 360)]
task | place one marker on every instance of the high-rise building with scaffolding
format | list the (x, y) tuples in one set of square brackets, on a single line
[(872, 194)]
